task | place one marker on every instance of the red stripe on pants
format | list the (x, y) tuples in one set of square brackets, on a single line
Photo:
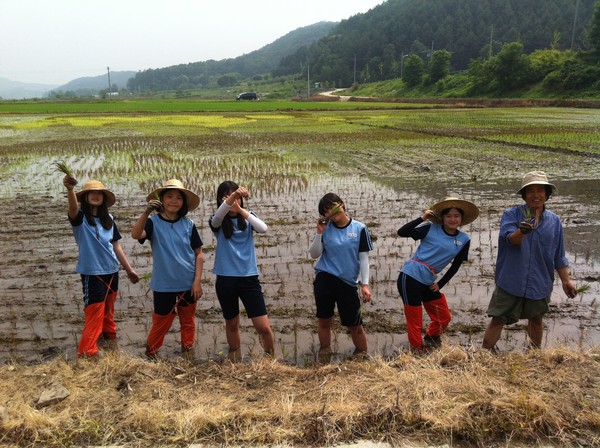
[(109, 328)]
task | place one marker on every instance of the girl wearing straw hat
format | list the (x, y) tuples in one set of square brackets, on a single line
[(236, 268), (441, 243), (100, 253), (177, 262)]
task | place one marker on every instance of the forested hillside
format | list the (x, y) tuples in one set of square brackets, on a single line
[(374, 44), (228, 71), (504, 44)]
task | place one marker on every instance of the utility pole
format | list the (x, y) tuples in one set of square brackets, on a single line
[(491, 41), (109, 88), (308, 81), (574, 24), (354, 70)]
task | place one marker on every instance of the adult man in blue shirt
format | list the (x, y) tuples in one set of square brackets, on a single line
[(530, 248)]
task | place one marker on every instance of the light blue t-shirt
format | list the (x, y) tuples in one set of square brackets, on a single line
[(341, 246), (435, 251), (96, 252), (235, 256), (173, 255)]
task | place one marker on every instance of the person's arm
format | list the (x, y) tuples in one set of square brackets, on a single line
[(71, 198), (217, 218), (454, 267), (316, 246), (120, 253), (197, 283), (257, 224), (567, 284), (365, 291), (412, 229), (138, 232)]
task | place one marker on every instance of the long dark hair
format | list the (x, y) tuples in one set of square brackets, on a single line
[(227, 224), (184, 207), (102, 212)]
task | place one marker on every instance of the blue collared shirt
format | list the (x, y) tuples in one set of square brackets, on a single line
[(527, 270)]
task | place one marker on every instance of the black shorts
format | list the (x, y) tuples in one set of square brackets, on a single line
[(329, 291), (413, 292), (246, 289), (165, 303), (96, 288)]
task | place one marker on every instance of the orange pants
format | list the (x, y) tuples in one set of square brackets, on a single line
[(438, 312), (99, 320), (162, 324)]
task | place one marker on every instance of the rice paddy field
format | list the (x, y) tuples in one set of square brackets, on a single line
[(388, 163)]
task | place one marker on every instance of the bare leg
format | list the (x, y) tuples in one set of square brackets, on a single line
[(359, 338), (232, 333), (261, 324), (324, 332), (492, 333), (535, 330)]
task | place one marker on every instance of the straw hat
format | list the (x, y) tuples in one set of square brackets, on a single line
[(193, 200), (96, 185), (535, 178), (470, 210)]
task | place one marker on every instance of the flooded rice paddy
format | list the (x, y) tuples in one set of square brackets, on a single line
[(386, 179)]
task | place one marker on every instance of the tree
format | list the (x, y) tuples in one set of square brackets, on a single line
[(510, 68), (439, 65), (594, 33), (414, 69)]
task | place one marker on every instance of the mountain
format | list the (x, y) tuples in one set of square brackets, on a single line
[(375, 42), (14, 90), (91, 85), (258, 62)]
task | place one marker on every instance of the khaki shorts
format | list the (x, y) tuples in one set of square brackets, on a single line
[(511, 309)]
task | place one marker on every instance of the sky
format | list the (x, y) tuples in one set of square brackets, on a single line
[(56, 41)]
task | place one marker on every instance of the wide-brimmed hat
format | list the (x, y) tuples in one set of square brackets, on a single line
[(96, 185), (193, 200), (535, 178), (470, 210)]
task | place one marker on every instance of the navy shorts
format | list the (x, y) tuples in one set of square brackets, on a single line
[(331, 291), (413, 292), (246, 289), (96, 288), (165, 303)]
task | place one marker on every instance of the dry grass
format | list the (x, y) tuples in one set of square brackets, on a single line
[(452, 396)]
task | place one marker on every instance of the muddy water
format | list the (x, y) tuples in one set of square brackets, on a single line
[(41, 306)]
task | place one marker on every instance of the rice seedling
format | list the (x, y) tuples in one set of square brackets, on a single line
[(62, 167), (583, 288)]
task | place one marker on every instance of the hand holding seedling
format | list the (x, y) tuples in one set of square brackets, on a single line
[(154, 205), (69, 182), (526, 226)]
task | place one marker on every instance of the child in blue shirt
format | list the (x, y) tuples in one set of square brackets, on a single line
[(236, 268), (441, 243), (177, 262), (342, 246), (100, 253)]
